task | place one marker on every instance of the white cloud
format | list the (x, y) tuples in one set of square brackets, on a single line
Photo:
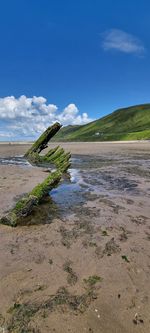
[(115, 39), (28, 117), (11, 107), (70, 116)]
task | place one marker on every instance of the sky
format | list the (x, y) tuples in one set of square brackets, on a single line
[(70, 61)]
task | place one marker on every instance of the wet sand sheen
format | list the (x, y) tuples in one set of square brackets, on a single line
[(86, 269)]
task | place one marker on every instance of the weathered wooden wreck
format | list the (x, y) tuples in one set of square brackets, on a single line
[(58, 157)]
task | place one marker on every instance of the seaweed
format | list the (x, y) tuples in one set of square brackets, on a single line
[(22, 314)]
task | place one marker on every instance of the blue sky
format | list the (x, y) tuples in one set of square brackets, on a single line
[(71, 61)]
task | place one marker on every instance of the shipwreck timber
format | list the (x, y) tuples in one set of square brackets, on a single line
[(57, 157), (43, 140)]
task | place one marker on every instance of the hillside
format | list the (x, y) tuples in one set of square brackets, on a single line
[(132, 123)]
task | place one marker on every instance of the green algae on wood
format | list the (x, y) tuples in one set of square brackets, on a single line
[(51, 152)]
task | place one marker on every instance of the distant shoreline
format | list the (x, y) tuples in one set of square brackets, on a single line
[(75, 142)]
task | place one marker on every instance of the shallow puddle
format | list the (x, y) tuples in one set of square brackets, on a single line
[(69, 193), (17, 160)]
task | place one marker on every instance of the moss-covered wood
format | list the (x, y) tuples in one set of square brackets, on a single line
[(43, 140), (56, 156), (25, 205)]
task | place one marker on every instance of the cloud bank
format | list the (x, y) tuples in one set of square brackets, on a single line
[(115, 39), (24, 117)]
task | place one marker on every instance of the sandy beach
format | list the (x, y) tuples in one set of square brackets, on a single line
[(82, 263)]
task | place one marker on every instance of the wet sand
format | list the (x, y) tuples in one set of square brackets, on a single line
[(83, 265)]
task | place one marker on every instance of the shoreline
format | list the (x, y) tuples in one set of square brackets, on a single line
[(81, 148), (74, 142)]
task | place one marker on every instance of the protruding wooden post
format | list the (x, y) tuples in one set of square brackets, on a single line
[(43, 140)]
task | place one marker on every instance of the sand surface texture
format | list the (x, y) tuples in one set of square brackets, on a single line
[(82, 262)]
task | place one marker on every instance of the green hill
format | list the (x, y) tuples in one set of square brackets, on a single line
[(131, 123)]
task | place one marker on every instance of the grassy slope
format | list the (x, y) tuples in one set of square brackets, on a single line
[(131, 123)]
